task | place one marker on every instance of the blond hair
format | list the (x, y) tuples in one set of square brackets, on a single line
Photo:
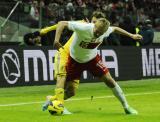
[(98, 14), (105, 23)]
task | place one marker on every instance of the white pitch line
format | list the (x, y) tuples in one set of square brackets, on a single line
[(85, 98), (111, 96), (19, 104)]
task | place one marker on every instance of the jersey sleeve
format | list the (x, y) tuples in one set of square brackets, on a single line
[(108, 32), (48, 29), (76, 26)]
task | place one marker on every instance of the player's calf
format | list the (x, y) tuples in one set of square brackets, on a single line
[(69, 94)]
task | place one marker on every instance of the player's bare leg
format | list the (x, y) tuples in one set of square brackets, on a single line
[(117, 91)]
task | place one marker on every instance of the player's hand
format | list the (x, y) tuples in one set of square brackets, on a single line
[(86, 20), (137, 37), (58, 45)]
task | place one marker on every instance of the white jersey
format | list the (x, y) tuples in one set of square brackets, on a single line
[(84, 45)]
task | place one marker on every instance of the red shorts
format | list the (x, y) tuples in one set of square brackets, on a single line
[(75, 69)]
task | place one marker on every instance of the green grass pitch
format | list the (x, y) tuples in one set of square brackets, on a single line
[(23, 104)]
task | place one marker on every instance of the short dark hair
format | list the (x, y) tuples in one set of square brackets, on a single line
[(98, 14), (29, 36)]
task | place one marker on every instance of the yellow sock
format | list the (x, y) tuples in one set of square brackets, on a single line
[(59, 92)]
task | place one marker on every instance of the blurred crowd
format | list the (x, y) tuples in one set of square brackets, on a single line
[(135, 16), (115, 10)]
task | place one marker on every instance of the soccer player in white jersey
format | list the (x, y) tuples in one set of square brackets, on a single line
[(83, 53), (61, 58)]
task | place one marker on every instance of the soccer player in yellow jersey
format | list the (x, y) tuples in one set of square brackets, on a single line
[(65, 90)]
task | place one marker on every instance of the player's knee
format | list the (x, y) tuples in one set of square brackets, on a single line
[(109, 81), (110, 84)]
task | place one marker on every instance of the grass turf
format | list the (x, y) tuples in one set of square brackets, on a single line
[(17, 104)]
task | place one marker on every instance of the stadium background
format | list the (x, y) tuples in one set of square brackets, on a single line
[(28, 66), (20, 17), (35, 65), (125, 60)]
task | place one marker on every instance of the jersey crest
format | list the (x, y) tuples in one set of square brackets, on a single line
[(89, 45)]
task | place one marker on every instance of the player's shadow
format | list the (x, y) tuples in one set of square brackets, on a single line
[(95, 112), (78, 111)]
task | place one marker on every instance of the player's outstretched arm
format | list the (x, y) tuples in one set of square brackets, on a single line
[(60, 27), (123, 32), (44, 31)]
